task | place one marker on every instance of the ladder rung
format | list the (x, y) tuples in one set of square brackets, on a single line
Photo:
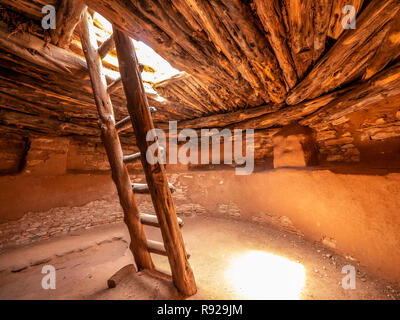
[(126, 123), (106, 47), (158, 248), (114, 86), (132, 157), (151, 220), (123, 124), (143, 187)]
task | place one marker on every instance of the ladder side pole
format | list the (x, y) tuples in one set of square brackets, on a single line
[(112, 145), (142, 122)]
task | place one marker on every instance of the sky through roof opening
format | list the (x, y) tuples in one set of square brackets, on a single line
[(145, 54)]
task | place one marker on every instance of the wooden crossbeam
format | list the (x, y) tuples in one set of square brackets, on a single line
[(357, 53)]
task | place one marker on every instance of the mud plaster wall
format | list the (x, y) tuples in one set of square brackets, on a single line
[(40, 173)]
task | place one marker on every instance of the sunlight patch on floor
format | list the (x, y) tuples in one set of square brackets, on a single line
[(262, 275)]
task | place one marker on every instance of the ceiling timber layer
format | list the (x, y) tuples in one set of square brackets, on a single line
[(247, 63)]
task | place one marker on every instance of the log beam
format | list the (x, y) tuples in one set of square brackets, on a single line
[(121, 274), (69, 13), (259, 117), (299, 17), (354, 53), (271, 18), (224, 119), (35, 50), (335, 23), (44, 124), (383, 86)]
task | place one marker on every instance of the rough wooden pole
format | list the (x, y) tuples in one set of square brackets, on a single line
[(112, 145), (142, 122)]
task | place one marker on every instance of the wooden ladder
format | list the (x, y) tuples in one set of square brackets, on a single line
[(157, 184)]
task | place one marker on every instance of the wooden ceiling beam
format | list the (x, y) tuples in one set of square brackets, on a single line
[(323, 109), (269, 12), (335, 23), (45, 125), (354, 52), (69, 13), (253, 45), (35, 50), (383, 86)]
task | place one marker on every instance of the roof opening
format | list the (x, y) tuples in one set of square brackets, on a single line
[(156, 67)]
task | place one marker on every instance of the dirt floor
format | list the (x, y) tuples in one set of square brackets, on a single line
[(230, 259)]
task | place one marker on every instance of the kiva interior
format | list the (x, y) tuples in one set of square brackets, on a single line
[(199, 149)]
